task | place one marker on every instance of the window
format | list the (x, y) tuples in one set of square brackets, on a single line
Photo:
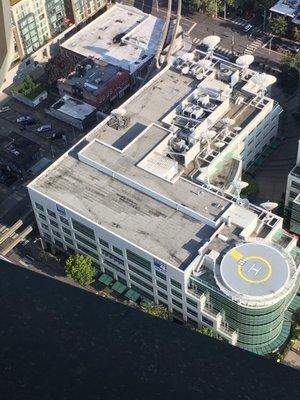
[(140, 273), (175, 293), (39, 206), (42, 216), (58, 243), (56, 233), (176, 303), (161, 285), (191, 302), (138, 260), (86, 231), (192, 322), (163, 295), (85, 241), (112, 257), (140, 282), (111, 265), (177, 314), (117, 250), (87, 251), (51, 213), (46, 235), (176, 284), (54, 223), (69, 240), (192, 312), (66, 230), (64, 220), (103, 243), (44, 226), (207, 321), (160, 275)]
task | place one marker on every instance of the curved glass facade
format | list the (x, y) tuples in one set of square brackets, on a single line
[(257, 328)]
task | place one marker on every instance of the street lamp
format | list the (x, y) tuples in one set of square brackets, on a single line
[(43, 247)]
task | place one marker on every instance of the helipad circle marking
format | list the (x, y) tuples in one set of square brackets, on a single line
[(255, 281)]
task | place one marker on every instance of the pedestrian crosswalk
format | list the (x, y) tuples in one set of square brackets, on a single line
[(243, 22), (218, 49), (253, 46)]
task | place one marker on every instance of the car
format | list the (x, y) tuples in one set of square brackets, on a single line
[(44, 128), (292, 48), (247, 28), (4, 109), (26, 120), (57, 135)]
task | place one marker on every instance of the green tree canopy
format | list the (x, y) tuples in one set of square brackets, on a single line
[(278, 26), (158, 310), (204, 330), (79, 267)]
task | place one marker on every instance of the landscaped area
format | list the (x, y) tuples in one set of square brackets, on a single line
[(29, 88)]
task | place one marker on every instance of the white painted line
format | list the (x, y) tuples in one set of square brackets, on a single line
[(192, 27)]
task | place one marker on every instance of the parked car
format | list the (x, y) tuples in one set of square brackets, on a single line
[(26, 120), (56, 135), (247, 28), (4, 109), (292, 48), (44, 128)]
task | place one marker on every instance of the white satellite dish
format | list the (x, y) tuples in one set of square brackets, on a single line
[(263, 80), (227, 121), (118, 112), (211, 41), (185, 70), (199, 77), (208, 135), (204, 63), (240, 185), (245, 60), (188, 57), (219, 145), (269, 206)]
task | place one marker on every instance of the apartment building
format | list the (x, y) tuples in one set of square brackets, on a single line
[(82, 10), (152, 196), (6, 50), (35, 22), (291, 204), (290, 9)]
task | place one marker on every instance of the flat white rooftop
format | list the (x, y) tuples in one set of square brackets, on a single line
[(286, 7), (123, 36), (73, 107)]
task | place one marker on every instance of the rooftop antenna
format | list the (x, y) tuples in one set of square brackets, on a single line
[(227, 122), (244, 61), (211, 43), (269, 207), (207, 137), (239, 185), (263, 81)]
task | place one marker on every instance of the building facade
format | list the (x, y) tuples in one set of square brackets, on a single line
[(150, 196), (79, 11), (6, 49)]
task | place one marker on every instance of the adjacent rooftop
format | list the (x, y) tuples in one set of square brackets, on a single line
[(123, 36)]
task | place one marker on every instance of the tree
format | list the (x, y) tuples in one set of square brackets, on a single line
[(79, 267), (296, 34), (278, 26), (157, 310), (204, 330)]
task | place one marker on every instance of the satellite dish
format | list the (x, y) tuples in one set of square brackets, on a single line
[(185, 70), (269, 206), (240, 185), (204, 63), (227, 121), (244, 203), (208, 135), (219, 144), (211, 41), (237, 128), (263, 80), (245, 60), (188, 57), (118, 112), (199, 77)]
